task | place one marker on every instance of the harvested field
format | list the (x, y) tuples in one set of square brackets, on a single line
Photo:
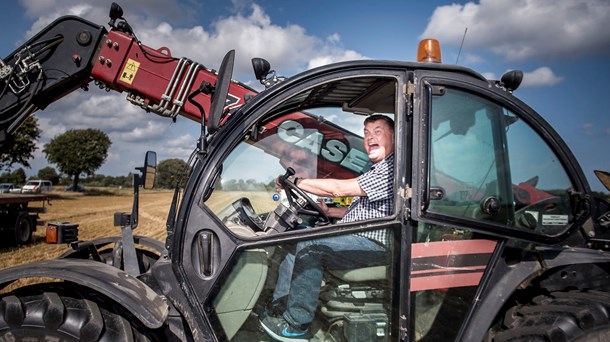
[(94, 210), (94, 213)]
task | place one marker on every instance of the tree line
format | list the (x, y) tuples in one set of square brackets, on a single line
[(169, 173), (77, 153)]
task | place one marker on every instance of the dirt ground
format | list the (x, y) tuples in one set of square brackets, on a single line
[(94, 214), (94, 210)]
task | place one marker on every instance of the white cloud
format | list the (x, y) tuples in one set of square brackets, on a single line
[(249, 30), (288, 48), (347, 55), (540, 77), (166, 23), (97, 11), (469, 58), (522, 29), (46, 17), (593, 130), (334, 38), (490, 76), (143, 133)]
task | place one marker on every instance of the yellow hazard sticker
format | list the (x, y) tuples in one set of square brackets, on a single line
[(130, 71), (342, 201)]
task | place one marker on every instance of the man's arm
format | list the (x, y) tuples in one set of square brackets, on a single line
[(331, 187), (332, 212)]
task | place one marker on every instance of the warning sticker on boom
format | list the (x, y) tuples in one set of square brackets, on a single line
[(130, 70)]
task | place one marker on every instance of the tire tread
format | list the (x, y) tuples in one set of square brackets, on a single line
[(559, 316), (53, 314)]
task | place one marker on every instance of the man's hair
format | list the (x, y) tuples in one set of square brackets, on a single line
[(377, 117)]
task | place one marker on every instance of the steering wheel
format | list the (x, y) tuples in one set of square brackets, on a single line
[(246, 213), (294, 192)]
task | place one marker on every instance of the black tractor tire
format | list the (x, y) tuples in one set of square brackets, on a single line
[(560, 316), (51, 317), (23, 229)]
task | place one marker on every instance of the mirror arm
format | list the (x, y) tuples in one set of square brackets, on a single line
[(137, 182), (202, 144), (130, 257), (206, 88)]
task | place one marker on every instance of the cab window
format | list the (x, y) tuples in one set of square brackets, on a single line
[(323, 140), (487, 164), (318, 132), (323, 143)]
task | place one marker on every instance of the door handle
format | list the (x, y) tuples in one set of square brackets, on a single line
[(206, 246)]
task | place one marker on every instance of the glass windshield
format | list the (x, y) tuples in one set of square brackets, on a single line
[(323, 143)]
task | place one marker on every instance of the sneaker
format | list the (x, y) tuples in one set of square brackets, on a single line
[(280, 330)]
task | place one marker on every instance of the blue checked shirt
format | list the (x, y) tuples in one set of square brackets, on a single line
[(378, 184)]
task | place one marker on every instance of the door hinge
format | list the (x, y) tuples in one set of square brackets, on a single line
[(406, 195), (403, 333), (410, 88)]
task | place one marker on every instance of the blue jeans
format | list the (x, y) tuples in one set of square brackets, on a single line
[(300, 274)]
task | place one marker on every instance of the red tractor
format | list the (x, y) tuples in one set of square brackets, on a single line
[(495, 233)]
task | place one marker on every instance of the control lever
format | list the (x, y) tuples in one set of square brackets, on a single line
[(284, 180), (289, 172)]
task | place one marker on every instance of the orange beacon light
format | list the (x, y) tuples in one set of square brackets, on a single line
[(429, 51)]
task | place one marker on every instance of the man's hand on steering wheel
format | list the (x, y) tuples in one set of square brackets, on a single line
[(293, 192), (323, 206)]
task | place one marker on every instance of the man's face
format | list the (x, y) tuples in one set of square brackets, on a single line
[(378, 140)]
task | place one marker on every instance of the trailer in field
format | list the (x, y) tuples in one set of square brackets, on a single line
[(19, 217)]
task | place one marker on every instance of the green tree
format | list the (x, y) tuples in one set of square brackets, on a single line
[(78, 151), (5, 177), (20, 148), (50, 174), (169, 172), (16, 177)]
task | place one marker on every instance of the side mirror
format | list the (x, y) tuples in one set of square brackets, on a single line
[(219, 97), (512, 79), (149, 172), (261, 68), (116, 12)]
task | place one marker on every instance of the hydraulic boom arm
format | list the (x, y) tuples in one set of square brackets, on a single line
[(71, 52)]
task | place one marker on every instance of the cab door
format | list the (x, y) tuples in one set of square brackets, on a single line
[(484, 172), (230, 262)]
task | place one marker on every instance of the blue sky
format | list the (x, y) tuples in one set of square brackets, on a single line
[(563, 46)]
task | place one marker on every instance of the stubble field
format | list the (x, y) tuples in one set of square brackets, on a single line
[(94, 215)]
